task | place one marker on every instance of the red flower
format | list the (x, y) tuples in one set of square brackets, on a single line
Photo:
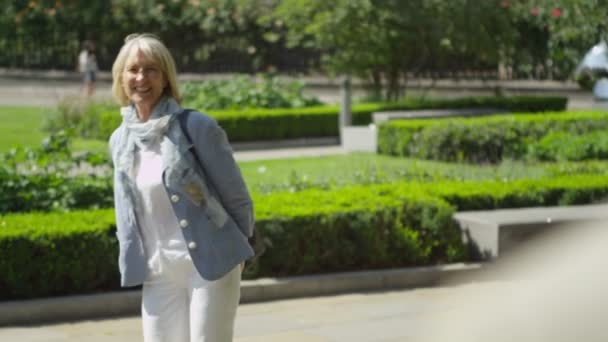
[(557, 12), (534, 11), (505, 3)]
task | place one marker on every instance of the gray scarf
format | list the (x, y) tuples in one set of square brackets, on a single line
[(144, 134)]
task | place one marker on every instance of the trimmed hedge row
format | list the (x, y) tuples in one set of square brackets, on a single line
[(564, 190), (362, 227), (312, 231), (49, 254), (322, 121), (562, 146), (486, 139)]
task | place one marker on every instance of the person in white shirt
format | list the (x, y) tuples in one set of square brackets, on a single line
[(87, 66)]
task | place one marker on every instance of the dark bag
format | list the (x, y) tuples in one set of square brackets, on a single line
[(256, 241)]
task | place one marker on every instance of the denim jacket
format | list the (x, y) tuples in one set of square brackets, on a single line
[(213, 207)]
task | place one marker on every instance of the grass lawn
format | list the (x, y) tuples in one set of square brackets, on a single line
[(90, 145), (22, 127), (367, 168)]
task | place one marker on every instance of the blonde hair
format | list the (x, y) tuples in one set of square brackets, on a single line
[(152, 47)]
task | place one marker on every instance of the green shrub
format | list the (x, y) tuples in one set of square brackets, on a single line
[(57, 254), (313, 231), (53, 191), (51, 177), (242, 92), (352, 229), (597, 167), (42, 181), (81, 117), (322, 121), (487, 139), (562, 146), (564, 190), (308, 232)]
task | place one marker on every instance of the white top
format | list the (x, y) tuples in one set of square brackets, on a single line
[(87, 62), (161, 233)]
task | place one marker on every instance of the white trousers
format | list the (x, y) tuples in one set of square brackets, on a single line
[(180, 306)]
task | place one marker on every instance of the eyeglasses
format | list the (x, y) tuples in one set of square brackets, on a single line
[(147, 71)]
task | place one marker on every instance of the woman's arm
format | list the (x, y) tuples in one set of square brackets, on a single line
[(214, 151)]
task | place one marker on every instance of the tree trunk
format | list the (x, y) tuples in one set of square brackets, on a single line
[(392, 91), (376, 90)]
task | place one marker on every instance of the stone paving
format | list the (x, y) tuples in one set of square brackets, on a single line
[(490, 310), (382, 316), (553, 290), (48, 92)]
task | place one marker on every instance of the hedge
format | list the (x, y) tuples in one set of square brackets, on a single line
[(322, 121), (482, 139), (45, 254), (564, 190), (563, 146), (362, 227), (312, 231)]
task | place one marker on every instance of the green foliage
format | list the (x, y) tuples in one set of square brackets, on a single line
[(385, 41), (353, 228), (562, 146), (53, 178), (563, 190), (586, 79), (48, 34), (46, 190), (20, 126), (575, 168), (552, 36), (382, 41), (244, 92), (313, 231), (322, 121), (78, 116), (57, 254), (334, 172), (488, 139)]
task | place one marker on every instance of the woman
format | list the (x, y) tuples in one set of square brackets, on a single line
[(182, 227)]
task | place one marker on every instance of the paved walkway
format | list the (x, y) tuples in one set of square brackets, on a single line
[(382, 316), (553, 289), (48, 92), (288, 153)]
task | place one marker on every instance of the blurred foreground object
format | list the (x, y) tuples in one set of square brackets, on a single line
[(592, 72), (555, 289)]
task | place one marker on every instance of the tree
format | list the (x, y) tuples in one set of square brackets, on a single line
[(36, 32), (385, 41), (553, 36)]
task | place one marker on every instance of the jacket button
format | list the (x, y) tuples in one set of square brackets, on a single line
[(174, 198), (192, 245), (183, 223)]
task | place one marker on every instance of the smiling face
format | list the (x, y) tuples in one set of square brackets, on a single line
[(143, 82)]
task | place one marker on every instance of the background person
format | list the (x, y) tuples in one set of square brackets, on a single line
[(87, 66), (182, 232)]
